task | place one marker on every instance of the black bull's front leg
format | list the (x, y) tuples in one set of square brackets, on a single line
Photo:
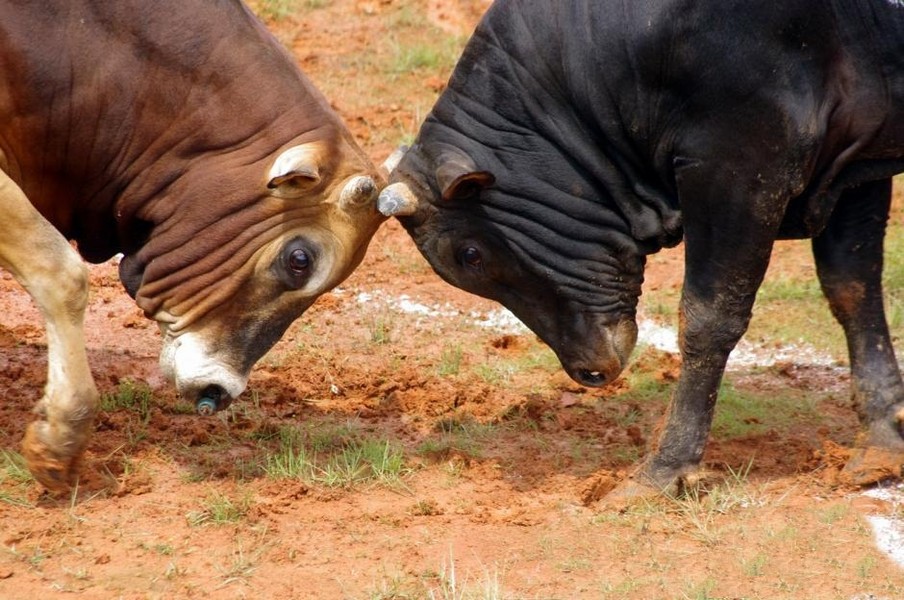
[(728, 242), (715, 310)]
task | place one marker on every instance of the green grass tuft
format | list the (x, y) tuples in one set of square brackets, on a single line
[(220, 509), (131, 396), (12, 468), (740, 413), (380, 330), (450, 361), (893, 278), (439, 56), (15, 479), (336, 461)]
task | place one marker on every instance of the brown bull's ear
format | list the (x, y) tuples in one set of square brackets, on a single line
[(467, 185), (295, 171)]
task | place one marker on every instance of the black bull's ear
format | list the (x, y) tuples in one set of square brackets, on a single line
[(457, 176), (467, 185)]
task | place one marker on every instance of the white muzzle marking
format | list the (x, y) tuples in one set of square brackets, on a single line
[(186, 361)]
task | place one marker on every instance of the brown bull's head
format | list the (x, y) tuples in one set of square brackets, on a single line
[(225, 277)]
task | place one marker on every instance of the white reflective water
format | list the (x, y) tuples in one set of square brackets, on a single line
[(889, 530)]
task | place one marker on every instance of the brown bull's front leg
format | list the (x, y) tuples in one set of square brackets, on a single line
[(52, 272), (54, 444)]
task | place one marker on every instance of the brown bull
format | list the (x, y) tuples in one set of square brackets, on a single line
[(182, 135)]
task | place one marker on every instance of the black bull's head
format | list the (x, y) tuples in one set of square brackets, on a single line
[(574, 281)]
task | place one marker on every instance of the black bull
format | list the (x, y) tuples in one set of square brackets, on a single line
[(577, 137)]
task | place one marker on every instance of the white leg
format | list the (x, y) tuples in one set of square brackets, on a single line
[(52, 272)]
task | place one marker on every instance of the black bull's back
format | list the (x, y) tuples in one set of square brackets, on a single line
[(577, 137)]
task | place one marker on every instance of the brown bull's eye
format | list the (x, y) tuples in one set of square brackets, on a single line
[(295, 263), (471, 257), (299, 261)]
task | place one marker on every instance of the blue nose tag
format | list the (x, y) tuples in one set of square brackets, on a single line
[(206, 406)]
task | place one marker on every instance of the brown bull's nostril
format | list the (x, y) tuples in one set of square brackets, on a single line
[(211, 400)]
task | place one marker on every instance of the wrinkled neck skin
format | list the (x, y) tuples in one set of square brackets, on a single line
[(567, 274), (574, 196), (206, 237), (582, 191), (206, 232), (163, 132)]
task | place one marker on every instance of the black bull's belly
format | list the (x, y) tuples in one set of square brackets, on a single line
[(577, 137)]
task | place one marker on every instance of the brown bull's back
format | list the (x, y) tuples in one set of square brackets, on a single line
[(105, 104)]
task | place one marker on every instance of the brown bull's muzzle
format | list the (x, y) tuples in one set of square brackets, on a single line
[(200, 375), (604, 361)]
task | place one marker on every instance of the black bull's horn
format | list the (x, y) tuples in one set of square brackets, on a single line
[(397, 200)]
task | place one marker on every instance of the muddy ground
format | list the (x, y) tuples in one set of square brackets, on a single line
[(499, 462)]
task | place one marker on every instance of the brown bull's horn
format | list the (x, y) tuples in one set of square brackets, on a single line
[(397, 200), (359, 191)]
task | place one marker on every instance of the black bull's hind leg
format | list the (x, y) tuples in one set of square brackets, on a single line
[(849, 263), (41, 259)]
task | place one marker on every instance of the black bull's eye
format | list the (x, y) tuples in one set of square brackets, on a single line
[(471, 257)]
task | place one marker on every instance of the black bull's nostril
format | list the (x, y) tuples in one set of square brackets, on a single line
[(592, 378), (212, 400)]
